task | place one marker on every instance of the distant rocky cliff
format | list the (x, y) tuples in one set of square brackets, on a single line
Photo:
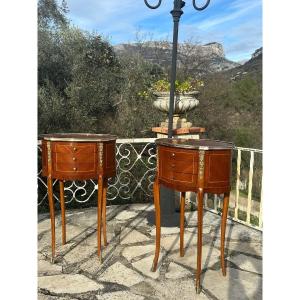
[(201, 59)]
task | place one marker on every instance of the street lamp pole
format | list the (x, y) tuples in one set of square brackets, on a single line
[(176, 14)]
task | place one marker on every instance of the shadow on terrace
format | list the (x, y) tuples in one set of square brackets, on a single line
[(125, 271)]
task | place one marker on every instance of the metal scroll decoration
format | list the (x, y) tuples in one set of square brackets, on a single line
[(136, 164)]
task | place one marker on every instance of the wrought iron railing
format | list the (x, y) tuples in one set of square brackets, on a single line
[(136, 164)]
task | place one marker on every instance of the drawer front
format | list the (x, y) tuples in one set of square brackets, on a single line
[(75, 148), (75, 167), (59, 158), (178, 166), (217, 169), (178, 160)]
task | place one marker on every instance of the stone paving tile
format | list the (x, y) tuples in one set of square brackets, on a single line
[(72, 231), (68, 283), (92, 265), (176, 275), (79, 253), (146, 289), (47, 268), (166, 231), (237, 285), (240, 232), (120, 295), (208, 218), (130, 236), (144, 266), (84, 219), (254, 248), (175, 271), (142, 207), (177, 290), (210, 256), (126, 215), (205, 230), (247, 263), (140, 221), (171, 243), (44, 225), (120, 274), (48, 297), (135, 251)]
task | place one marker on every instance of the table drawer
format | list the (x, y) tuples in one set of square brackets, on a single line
[(178, 160), (75, 167), (75, 148), (59, 158)]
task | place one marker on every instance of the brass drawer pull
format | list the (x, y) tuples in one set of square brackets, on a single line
[(173, 154), (74, 158), (74, 169), (74, 148)]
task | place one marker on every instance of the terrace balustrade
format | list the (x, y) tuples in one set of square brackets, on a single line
[(136, 165)]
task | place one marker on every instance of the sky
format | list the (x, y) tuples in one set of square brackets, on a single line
[(236, 24)]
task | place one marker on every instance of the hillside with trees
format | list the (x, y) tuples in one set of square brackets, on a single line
[(87, 85)]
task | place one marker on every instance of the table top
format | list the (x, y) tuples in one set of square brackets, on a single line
[(202, 144), (78, 137)]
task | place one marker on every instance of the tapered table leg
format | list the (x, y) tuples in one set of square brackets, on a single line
[(52, 214), (62, 208), (182, 204), (104, 211), (100, 193), (157, 223), (223, 230), (199, 243)]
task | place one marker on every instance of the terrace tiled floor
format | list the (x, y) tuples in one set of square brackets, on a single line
[(125, 272)]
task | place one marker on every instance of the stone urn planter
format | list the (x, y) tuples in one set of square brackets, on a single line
[(182, 104)]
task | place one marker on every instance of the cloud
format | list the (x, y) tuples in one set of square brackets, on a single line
[(223, 21)]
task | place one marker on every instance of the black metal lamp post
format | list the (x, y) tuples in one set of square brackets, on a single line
[(176, 13)]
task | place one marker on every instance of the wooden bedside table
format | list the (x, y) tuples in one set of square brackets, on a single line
[(78, 156), (200, 166)]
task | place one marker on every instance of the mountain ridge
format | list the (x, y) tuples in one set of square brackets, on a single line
[(200, 59)]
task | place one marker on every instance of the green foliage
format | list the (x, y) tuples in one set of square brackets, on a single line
[(231, 110), (135, 112), (79, 78), (181, 87), (51, 14), (84, 86)]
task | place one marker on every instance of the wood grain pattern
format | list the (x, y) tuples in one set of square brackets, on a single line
[(157, 223), (62, 208), (182, 205), (196, 170), (65, 160), (223, 230)]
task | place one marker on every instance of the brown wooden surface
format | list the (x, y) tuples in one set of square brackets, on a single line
[(104, 193), (78, 160), (181, 169), (157, 222), (99, 215), (182, 205), (223, 230), (62, 208)]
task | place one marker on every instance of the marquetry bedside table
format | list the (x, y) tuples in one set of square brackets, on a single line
[(78, 156), (200, 166)]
